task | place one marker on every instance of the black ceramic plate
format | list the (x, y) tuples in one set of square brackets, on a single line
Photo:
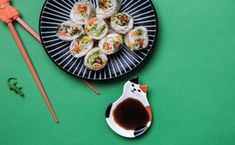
[(54, 12)]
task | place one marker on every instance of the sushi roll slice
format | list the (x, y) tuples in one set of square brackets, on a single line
[(137, 39), (111, 44), (106, 8), (80, 47), (68, 31), (81, 12), (96, 59), (122, 22), (96, 28)]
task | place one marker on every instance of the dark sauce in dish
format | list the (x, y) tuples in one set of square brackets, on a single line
[(131, 114)]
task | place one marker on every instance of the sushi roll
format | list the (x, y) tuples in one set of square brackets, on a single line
[(80, 47), (122, 22), (96, 59), (96, 28), (111, 44), (137, 39), (106, 8), (68, 31), (81, 12)]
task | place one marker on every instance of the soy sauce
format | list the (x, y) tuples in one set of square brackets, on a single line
[(131, 114)]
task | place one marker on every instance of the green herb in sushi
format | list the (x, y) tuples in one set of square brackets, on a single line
[(121, 19), (96, 28), (84, 41), (105, 4), (75, 31), (68, 31), (95, 58)]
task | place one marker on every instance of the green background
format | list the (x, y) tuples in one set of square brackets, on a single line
[(191, 76)]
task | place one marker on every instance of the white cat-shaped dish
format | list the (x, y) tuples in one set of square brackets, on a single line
[(130, 116)]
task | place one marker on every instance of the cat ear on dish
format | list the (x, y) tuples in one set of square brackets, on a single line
[(135, 80), (144, 88)]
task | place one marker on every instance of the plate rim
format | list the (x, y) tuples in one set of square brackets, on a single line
[(111, 78)]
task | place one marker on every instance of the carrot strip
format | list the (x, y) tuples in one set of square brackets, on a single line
[(91, 21)]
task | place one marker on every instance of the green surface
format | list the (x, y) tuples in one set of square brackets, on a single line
[(191, 77)]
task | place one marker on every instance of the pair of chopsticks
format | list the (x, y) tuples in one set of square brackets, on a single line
[(8, 14)]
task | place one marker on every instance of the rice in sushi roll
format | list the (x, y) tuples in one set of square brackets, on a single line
[(137, 39), (106, 8), (81, 12), (68, 31), (111, 44), (96, 59), (96, 28), (80, 47), (122, 22)]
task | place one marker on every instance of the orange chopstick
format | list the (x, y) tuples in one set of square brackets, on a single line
[(28, 28), (32, 70), (91, 87)]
